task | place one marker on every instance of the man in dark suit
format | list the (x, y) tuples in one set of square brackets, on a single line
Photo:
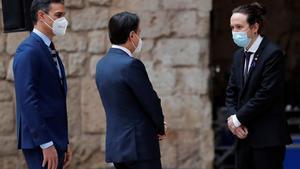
[(41, 90), (254, 96), (135, 120)]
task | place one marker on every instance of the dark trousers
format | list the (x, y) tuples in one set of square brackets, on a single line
[(259, 158), (149, 164), (34, 158)]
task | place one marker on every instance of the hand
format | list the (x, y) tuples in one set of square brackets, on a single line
[(241, 132), (50, 158), (68, 157), (161, 137), (166, 128), (230, 125)]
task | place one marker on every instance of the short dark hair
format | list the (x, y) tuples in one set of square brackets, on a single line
[(255, 13), (120, 25), (43, 5)]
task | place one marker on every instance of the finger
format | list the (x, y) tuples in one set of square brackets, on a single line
[(55, 162), (246, 131), (68, 161), (44, 162), (49, 164), (65, 158), (240, 132)]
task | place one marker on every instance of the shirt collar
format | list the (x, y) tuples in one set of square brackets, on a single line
[(255, 45), (45, 38), (123, 49)]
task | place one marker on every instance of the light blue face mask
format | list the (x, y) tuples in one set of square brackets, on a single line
[(241, 39)]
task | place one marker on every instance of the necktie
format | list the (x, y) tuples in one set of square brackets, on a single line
[(246, 65), (55, 59)]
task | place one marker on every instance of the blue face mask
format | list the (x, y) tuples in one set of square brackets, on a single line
[(241, 39)]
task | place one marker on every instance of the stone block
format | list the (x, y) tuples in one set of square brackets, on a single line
[(93, 115), (74, 3), (155, 24), (76, 62), (184, 23), (8, 146), (5, 91), (13, 40), (192, 81), (188, 149), (10, 73), (74, 107), (89, 18), (93, 64), (178, 52), (203, 5), (101, 2), (186, 111), (71, 42), (137, 5), (7, 118), (98, 41)]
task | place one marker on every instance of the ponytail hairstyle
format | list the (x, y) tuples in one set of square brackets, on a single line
[(255, 14)]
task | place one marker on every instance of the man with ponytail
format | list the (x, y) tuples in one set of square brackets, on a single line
[(254, 96)]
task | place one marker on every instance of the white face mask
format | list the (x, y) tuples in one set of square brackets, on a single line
[(138, 48), (59, 26)]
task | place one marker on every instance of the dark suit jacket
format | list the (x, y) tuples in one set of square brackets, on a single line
[(259, 102), (40, 96), (133, 111)]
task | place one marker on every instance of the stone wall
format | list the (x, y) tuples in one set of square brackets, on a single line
[(176, 55)]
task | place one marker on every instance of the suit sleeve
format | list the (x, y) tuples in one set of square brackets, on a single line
[(272, 77), (232, 93), (26, 74), (138, 81)]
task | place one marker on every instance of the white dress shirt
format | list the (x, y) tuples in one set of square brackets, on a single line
[(123, 49), (47, 41), (254, 47)]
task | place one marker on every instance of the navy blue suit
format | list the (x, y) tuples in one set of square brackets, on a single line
[(133, 110), (40, 96)]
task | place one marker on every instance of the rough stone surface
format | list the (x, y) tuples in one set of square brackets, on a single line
[(176, 55), (74, 107), (71, 42), (2, 41), (100, 2), (156, 23), (178, 52), (7, 118), (2, 69), (89, 18), (10, 73), (93, 116), (93, 64), (97, 42), (8, 145), (74, 3), (5, 91), (13, 40), (76, 63), (184, 23)]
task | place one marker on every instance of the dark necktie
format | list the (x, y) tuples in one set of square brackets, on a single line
[(54, 55), (246, 65)]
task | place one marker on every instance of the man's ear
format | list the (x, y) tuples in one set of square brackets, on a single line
[(131, 34), (255, 28), (40, 15)]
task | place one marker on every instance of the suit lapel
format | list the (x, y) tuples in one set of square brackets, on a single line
[(50, 59), (254, 63), (61, 66)]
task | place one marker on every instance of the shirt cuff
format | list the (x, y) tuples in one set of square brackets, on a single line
[(46, 145), (235, 121)]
